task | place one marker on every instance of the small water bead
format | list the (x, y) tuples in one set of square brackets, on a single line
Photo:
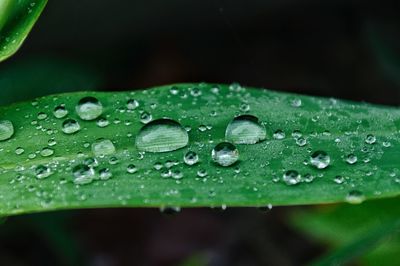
[(301, 141), (42, 116), (60, 111), (91, 162), (296, 102), (103, 147), (195, 92), (46, 152), (174, 90), (245, 129), (89, 108), (132, 104), (19, 151), (202, 128), (6, 130), (351, 158), (162, 135), (131, 169), (370, 139), (176, 174), (70, 126), (308, 178), (202, 173), (113, 160), (355, 197), (105, 174), (42, 172), (158, 166), (102, 122), (244, 107), (166, 173), (296, 134), (339, 179), (320, 159), (386, 144), (83, 174), (225, 154), (279, 134), (145, 117), (291, 177), (191, 158)]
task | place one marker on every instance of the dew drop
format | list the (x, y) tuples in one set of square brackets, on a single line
[(70, 126), (355, 197), (225, 154), (245, 129), (89, 108), (105, 174), (291, 177), (60, 111), (102, 147), (46, 152), (6, 129), (83, 174), (301, 141), (351, 159), (162, 135), (19, 151), (370, 139), (42, 116), (145, 117), (202, 173), (339, 179), (42, 172), (191, 158), (320, 159), (131, 169), (279, 134), (102, 122), (132, 104)]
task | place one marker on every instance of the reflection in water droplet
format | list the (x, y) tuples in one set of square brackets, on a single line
[(191, 158), (102, 147), (83, 174), (320, 159), (291, 177), (89, 108), (42, 172), (225, 154), (162, 135), (351, 159), (245, 129), (355, 197), (6, 129), (70, 126), (60, 111)]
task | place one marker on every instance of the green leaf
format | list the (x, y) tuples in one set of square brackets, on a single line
[(355, 231), (16, 20), (39, 161)]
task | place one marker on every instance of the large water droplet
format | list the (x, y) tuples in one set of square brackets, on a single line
[(225, 154), (162, 135), (83, 174), (191, 158), (70, 126), (102, 147), (6, 129), (60, 111), (89, 108), (320, 159), (291, 177), (245, 129)]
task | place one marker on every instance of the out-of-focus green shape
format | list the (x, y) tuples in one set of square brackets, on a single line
[(17, 18), (368, 232), (37, 76)]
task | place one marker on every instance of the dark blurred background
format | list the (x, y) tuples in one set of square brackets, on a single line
[(345, 49)]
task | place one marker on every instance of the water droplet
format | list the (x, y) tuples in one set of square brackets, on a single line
[(102, 147), (308, 178), (46, 152), (60, 111), (176, 174), (339, 179), (355, 197), (320, 159), (225, 154), (19, 151), (70, 126), (145, 117), (245, 129), (351, 159), (162, 135), (279, 134), (301, 141), (244, 107), (83, 174), (291, 177), (105, 174), (370, 139), (42, 116), (296, 134), (131, 169), (296, 102), (6, 129), (158, 166), (102, 122), (91, 162), (89, 108), (202, 173), (191, 158), (42, 172), (132, 104)]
